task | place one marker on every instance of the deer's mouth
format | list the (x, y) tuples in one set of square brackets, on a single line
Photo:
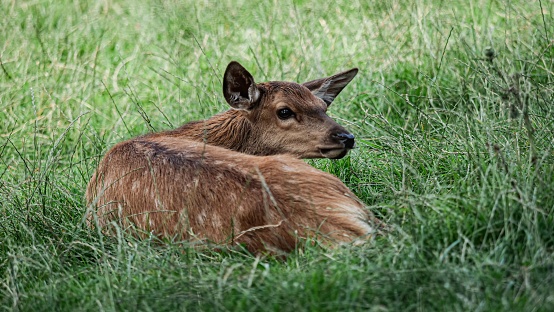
[(334, 153), (339, 145)]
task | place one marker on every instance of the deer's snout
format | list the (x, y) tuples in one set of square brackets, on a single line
[(347, 139)]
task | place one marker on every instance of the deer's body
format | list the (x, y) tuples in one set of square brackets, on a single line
[(215, 180), (182, 189)]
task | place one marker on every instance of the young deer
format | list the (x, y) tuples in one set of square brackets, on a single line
[(198, 182)]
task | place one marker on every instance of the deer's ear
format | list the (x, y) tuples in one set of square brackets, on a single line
[(239, 88), (328, 88)]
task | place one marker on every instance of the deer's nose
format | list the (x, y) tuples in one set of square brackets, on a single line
[(347, 139)]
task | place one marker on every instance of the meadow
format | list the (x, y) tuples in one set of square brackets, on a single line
[(453, 111)]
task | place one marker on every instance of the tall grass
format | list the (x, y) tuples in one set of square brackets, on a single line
[(452, 109)]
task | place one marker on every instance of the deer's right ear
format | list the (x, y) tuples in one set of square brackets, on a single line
[(239, 88)]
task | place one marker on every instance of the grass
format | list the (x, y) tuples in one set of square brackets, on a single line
[(452, 110)]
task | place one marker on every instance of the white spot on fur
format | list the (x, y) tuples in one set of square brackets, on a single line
[(218, 163), (136, 186), (201, 217), (216, 222), (287, 168)]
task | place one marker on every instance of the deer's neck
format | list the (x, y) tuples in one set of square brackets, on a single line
[(231, 130)]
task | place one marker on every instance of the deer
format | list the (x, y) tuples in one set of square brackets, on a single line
[(237, 178)]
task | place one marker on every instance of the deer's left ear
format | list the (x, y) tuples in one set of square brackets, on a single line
[(328, 88), (239, 88)]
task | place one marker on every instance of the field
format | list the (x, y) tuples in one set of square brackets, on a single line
[(453, 110)]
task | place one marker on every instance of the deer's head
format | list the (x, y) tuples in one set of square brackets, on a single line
[(290, 118)]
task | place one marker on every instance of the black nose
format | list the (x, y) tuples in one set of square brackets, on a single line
[(347, 139)]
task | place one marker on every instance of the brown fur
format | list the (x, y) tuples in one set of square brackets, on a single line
[(170, 185), (187, 190)]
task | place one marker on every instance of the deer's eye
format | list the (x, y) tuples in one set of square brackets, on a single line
[(285, 113)]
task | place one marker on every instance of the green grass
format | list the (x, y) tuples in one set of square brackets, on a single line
[(456, 150)]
